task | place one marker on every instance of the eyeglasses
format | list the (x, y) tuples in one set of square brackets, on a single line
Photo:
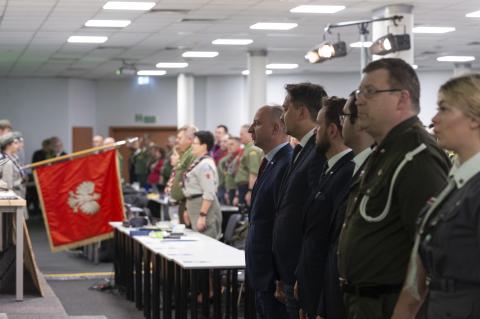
[(344, 116), (369, 92)]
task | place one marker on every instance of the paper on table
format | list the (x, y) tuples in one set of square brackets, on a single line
[(8, 195)]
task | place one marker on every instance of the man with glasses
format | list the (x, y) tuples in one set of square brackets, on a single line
[(404, 171)]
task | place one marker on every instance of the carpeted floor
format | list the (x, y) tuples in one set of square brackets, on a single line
[(75, 295)]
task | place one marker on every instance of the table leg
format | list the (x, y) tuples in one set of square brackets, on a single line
[(19, 258), (155, 303), (147, 311), (217, 295), (138, 256)]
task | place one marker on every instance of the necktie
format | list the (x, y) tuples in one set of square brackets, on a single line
[(296, 151), (262, 167)]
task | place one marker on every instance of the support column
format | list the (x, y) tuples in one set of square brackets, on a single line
[(382, 28), (185, 100), (461, 69), (257, 82)]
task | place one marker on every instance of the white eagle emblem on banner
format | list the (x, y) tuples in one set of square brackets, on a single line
[(84, 199)]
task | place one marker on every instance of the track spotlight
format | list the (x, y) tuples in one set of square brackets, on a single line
[(326, 51), (390, 43)]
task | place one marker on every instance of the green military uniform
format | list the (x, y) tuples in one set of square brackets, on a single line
[(403, 172), (141, 166), (249, 163), (166, 168), (222, 171), (231, 165), (186, 159)]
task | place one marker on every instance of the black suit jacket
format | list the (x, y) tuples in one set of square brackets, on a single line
[(258, 247), (331, 302), (319, 212), (301, 178)]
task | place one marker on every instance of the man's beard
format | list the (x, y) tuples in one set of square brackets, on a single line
[(323, 146)]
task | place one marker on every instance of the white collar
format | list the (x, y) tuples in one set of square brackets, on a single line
[(464, 172), (335, 158), (306, 137), (360, 158), (274, 152)]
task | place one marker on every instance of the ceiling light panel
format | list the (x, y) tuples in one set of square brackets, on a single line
[(366, 44), (86, 39), (151, 72), (108, 23), (127, 5), (232, 41), (282, 66), (455, 58), (199, 54), (475, 14), (317, 9), (247, 72), (273, 26), (432, 30), (171, 65)]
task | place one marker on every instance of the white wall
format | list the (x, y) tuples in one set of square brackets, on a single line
[(37, 107), (118, 101), (43, 107), (225, 103)]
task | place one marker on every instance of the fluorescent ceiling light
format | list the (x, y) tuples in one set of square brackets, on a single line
[(414, 66), (151, 72), (433, 29), (232, 41), (86, 39), (475, 14), (282, 66), (273, 26), (199, 54), (126, 5), (317, 9), (366, 44), (107, 23), (171, 65), (455, 58), (247, 72)]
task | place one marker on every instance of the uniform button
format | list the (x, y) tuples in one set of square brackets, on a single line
[(428, 237), (380, 172), (368, 191), (458, 203), (382, 150), (344, 225)]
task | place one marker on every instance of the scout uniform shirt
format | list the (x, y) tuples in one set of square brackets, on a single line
[(401, 174), (249, 163), (186, 160), (201, 179)]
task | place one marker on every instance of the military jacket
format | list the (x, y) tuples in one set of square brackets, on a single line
[(249, 163), (450, 239), (222, 170), (186, 160), (401, 174)]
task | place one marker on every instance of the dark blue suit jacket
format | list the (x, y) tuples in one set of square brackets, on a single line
[(331, 302), (258, 247), (301, 178), (319, 212)]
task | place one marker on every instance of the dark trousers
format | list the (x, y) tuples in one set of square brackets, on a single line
[(242, 191), (292, 304), (268, 307), (452, 304), (379, 307), (221, 195), (231, 196)]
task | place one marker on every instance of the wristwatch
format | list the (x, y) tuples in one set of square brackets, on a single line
[(203, 214)]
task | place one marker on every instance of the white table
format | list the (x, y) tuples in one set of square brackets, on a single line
[(180, 258), (14, 206)]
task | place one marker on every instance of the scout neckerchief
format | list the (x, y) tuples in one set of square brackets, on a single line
[(192, 166)]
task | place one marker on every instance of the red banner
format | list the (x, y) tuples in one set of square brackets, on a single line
[(79, 197)]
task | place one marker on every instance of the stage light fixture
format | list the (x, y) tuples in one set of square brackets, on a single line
[(390, 43), (326, 51)]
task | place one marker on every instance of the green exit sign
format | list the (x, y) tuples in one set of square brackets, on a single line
[(149, 119)]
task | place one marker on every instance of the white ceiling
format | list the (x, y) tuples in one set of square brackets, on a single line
[(33, 35)]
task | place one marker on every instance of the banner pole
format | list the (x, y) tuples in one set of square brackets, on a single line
[(80, 153)]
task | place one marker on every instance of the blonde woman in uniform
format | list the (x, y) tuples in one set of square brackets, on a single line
[(444, 271)]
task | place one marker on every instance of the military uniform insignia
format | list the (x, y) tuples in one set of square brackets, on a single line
[(84, 199)]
